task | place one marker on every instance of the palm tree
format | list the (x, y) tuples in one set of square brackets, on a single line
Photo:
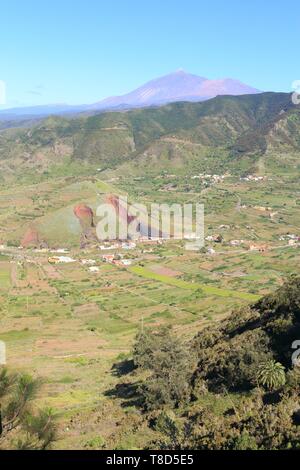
[(271, 375)]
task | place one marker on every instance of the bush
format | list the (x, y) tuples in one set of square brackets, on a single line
[(170, 365)]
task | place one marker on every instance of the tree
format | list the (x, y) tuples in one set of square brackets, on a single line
[(271, 375), (20, 427), (170, 365)]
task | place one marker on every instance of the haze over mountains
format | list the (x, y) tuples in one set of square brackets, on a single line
[(176, 86)]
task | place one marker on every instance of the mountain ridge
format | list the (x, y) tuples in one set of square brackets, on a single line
[(238, 126), (173, 87)]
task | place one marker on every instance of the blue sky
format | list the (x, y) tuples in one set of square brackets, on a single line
[(82, 51)]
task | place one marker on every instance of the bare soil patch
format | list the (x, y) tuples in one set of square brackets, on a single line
[(162, 270)]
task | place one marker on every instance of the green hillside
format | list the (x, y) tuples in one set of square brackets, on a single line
[(239, 156), (183, 132), (234, 387), (153, 152)]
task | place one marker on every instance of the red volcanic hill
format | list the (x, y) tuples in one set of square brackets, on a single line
[(85, 214)]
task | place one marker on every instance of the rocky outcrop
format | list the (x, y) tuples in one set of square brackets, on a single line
[(85, 215)]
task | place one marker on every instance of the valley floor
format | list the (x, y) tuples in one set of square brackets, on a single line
[(70, 325)]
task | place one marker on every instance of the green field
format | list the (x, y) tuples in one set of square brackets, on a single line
[(4, 275), (215, 291), (71, 326)]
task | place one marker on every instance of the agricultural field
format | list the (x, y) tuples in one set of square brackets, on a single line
[(72, 323), (71, 326)]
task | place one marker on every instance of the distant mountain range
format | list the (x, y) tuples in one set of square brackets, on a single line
[(177, 86)]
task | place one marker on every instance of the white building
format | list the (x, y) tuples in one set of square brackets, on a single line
[(94, 269)]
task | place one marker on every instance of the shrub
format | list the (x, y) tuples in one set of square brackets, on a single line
[(170, 365)]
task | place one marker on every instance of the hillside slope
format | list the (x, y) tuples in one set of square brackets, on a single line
[(242, 125), (243, 393)]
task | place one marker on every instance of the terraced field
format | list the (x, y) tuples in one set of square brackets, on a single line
[(71, 326), (4, 275), (192, 285)]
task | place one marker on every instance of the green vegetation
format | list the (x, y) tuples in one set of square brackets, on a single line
[(231, 362), (4, 276), (271, 375), (170, 365), (19, 427), (192, 286), (228, 380), (231, 127)]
